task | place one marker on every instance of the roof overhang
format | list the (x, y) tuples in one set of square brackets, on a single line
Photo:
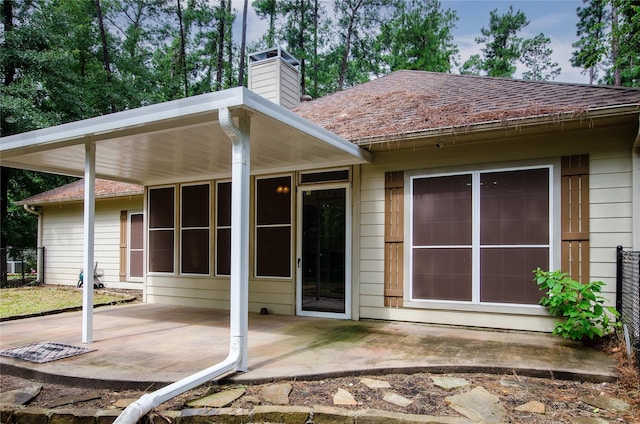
[(181, 141), (481, 131)]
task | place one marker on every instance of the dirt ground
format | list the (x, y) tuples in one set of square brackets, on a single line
[(562, 399)]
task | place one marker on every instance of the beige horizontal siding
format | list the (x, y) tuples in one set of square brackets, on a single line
[(610, 210), (63, 240)]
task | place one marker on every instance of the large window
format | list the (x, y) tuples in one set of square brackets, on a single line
[(477, 236), (273, 227), (161, 229), (195, 229), (223, 229)]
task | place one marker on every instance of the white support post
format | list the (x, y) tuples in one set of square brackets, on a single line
[(88, 247)]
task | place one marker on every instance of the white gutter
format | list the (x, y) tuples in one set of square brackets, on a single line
[(239, 327)]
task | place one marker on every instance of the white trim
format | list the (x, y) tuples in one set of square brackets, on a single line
[(348, 251), (217, 227), (256, 226), (149, 230), (181, 228), (475, 304), (128, 258)]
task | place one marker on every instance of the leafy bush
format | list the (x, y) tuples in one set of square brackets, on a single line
[(581, 305)]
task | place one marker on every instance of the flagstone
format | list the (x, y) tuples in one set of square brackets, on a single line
[(219, 399), (478, 405), (533, 407), (397, 399), (449, 383), (373, 383), (343, 397), (20, 396)]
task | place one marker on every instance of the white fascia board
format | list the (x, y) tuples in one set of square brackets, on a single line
[(106, 126), (266, 107)]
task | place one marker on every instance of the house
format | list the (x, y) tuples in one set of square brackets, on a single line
[(417, 196), (119, 231)]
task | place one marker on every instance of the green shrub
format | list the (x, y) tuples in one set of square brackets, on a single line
[(580, 304)]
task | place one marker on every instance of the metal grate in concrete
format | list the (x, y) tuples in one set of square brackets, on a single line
[(42, 352)]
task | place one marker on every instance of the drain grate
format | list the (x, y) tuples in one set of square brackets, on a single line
[(44, 352)]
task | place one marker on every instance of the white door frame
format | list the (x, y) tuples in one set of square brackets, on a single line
[(347, 250)]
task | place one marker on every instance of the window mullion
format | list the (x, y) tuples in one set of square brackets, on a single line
[(475, 238)]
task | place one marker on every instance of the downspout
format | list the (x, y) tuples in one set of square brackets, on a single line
[(237, 357), (32, 210)]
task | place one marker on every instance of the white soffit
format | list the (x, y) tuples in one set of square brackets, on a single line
[(181, 140)]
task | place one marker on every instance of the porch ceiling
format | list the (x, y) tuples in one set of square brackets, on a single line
[(181, 141)]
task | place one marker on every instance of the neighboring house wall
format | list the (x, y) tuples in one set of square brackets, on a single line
[(63, 241), (609, 151)]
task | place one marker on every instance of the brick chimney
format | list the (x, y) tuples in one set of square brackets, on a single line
[(273, 74)]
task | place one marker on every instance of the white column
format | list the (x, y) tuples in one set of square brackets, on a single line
[(88, 241)]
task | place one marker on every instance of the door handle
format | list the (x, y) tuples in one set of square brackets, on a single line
[(299, 262)]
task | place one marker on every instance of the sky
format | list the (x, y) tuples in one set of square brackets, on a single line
[(557, 19)]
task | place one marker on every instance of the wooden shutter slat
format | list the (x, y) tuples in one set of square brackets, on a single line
[(575, 216), (393, 238)]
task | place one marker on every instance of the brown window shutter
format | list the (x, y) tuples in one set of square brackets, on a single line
[(575, 216), (393, 238), (123, 245)]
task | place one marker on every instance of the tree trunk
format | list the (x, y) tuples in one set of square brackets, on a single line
[(220, 67), (615, 44), (229, 41), (182, 61), (316, 65), (4, 187), (303, 87), (105, 50), (243, 44)]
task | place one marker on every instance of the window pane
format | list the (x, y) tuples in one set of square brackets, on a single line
[(442, 274), (273, 251), (137, 231), (442, 211), (506, 274), (195, 251), (195, 206), (273, 201), (135, 264), (161, 206), (223, 253), (514, 207), (224, 204), (317, 177), (161, 251)]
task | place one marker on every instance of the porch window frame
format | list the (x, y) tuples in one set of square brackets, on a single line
[(150, 230), (475, 304), (256, 227), (219, 227), (130, 214), (182, 229)]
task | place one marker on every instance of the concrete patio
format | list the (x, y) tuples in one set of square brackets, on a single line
[(146, 345)]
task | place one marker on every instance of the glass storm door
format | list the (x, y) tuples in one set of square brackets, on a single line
[(323, 265)]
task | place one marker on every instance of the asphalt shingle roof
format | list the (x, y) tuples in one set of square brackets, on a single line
[(75, 192), (412, 101)]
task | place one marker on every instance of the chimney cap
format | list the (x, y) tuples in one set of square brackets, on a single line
[(274, 52)]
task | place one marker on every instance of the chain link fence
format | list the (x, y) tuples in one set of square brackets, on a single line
[(21, 267), (628, 296)]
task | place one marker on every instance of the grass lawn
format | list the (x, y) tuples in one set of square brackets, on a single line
[(36, 300)]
